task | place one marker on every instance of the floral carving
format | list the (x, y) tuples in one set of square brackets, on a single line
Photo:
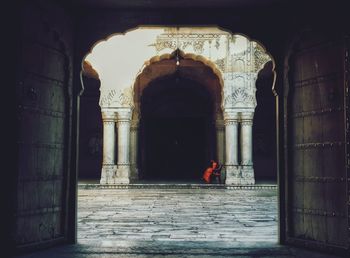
[(198, 46), (125, 98), (221, 64), (240, 95)]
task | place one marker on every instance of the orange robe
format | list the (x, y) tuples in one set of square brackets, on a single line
[(207, 174)]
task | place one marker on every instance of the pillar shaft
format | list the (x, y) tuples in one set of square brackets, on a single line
[(123, 165), (220, 141), (123, 142), (108, 162), (231, 139), (231, 130), (246, 139), (133, 150)]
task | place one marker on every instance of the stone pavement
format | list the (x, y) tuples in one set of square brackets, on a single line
[(199, 222), (177, 214)]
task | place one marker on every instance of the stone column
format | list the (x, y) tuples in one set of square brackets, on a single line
[(232, 168), (123, 166), (220, 145), (108, 163), (134, 149), (246, 140), (220, 141)]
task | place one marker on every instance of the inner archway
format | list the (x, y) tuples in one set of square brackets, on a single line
[(177, 130), (176, 108)]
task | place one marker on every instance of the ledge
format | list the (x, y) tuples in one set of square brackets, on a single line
[(177, 186)]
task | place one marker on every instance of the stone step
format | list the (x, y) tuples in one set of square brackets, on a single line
[(176, 186)]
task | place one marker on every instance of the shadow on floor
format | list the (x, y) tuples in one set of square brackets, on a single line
[(173, 249)]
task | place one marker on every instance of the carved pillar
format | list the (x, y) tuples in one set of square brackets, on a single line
[(133, 150), (231, 138), (220, 144), (123, 166), (108, 162), (246, 140)]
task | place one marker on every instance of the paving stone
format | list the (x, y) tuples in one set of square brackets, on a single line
[(213, 214), (176, 223)]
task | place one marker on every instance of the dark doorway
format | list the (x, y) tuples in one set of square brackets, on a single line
[(264, 129), (177, 136)]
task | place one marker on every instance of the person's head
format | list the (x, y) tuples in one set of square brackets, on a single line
[(214, 164)]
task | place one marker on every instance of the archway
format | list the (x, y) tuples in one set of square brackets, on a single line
[(180, 121), (234, 58), (151, 98)]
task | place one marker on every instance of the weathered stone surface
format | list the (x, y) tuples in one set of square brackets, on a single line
[(178, 214), (177, 223)]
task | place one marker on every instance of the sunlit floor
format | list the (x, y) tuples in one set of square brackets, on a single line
[(199, 222), (234, 216)]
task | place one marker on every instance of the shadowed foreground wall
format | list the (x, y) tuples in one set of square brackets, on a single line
[(44, 89)]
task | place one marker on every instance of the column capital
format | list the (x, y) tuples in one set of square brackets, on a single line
[(108, 115), (247, 117), (124, 114), (230, 116)]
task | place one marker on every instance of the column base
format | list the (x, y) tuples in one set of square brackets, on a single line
[(107, 174), (247, 173), (239, 175), (233, 175), (123, 175)]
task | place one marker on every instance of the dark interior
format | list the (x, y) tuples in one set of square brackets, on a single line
[(177, 133), (264, 129)]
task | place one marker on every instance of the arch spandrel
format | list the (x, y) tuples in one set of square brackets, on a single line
[(121, 58)]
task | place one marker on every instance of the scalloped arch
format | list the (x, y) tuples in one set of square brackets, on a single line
[(106, 39), (189, 56), (184, 55), (214, 47)]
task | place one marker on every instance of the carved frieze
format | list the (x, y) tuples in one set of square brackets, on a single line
[(116, 98), (231, 54), (183, 41)]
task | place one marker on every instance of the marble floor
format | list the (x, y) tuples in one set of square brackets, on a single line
[(199, 222), (245, 216)]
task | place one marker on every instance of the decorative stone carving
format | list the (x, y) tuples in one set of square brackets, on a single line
[(247, 175), (117, 98), (233, 175), (239, 91), (260, 57), (172, 39), (220, 64), (240, 98)]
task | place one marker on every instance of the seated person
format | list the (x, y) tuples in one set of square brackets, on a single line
[(217, 174), (209, 171)]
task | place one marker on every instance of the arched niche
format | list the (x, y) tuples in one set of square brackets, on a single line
[(161, 86)]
